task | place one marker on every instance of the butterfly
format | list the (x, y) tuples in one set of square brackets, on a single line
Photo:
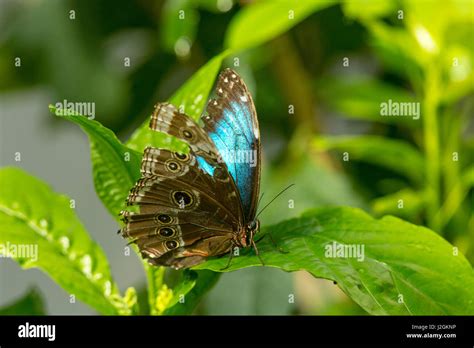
[(191, 206)]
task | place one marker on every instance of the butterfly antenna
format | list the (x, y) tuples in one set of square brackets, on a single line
[(278, 195), (260, 199)]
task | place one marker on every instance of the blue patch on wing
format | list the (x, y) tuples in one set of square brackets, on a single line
[(233, 137), (205, 166)]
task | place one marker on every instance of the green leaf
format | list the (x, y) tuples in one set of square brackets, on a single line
[(405, 203), (115, 170), (367, 9), (194, 285), (190, 98), (398, 50), (395, 155), (185, 295), (130, 299), (155, 276), (115, 167), (167, 298), (251, 27), (399, 259), (29, 304), (33, 216), (361, 98), (184, 286), (455, 197)]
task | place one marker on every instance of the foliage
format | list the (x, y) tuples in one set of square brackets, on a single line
[(417, 44), (29, 304), (400, 259), (65, 251), (405, 266)]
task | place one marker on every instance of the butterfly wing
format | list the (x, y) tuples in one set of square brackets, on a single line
[(180, 220), (168, 119), (185, 213), (231, 122)]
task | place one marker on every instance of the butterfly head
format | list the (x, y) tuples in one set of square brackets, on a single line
[(249, 232)]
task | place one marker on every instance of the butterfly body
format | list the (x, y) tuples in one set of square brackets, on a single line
[(201, 204)]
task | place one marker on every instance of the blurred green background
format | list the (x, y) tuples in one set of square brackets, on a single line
[(318, 89)]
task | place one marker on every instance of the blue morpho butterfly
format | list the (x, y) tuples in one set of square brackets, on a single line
[(193, 206)]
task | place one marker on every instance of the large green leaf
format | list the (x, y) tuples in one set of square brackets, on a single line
[(396, 155), (252, 27), (33, 215), (29, 304), (406, 269), (116, 167)]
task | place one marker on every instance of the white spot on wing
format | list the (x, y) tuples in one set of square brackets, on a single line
[(244, 98), (256, 132)]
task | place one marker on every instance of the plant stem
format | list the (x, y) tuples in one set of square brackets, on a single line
[(295, 84), (431, 144), (155, 280)]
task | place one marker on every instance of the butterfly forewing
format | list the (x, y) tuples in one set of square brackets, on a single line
[(232, 124)]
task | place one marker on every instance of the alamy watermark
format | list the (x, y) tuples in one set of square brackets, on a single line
[(24, 251), (76, 108), (345, 251), (394, 108), (239, 156), (28, 330)]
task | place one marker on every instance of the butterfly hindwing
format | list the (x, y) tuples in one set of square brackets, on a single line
[(162, 168), (166, 118), (184, 213)]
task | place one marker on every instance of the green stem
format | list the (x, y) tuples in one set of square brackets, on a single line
[(431, 144), (155, 277)]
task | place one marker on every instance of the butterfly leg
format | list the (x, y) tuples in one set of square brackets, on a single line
[(257, 253), (258, 240), (275, 245), (231, 255)]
